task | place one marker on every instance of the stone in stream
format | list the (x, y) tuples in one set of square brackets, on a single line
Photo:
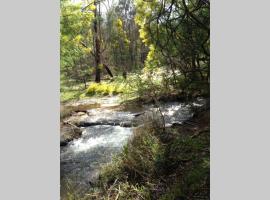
[(126, 124), (105, 116), (68, 133), (84, 104), (64, 142), (86, 123)]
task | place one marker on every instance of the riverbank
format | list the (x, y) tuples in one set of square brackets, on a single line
[(77, 114), (156, 164), (95, 129)]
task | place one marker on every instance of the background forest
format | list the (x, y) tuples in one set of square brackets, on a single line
[(160, 43)]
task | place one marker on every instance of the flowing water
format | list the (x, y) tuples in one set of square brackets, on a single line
[(82, 158)]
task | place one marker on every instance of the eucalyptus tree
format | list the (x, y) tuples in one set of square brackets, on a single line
[(124, 47), (177, 33), (75, 42)]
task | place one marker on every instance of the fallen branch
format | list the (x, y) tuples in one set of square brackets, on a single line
[(73, 125)]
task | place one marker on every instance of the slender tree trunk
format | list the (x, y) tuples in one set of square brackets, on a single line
[(108, 70), (97, 45)]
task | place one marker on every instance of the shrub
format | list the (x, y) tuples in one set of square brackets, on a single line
[(104, 88)]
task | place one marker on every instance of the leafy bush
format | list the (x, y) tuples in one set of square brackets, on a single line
[(104, 88), (143, 84)]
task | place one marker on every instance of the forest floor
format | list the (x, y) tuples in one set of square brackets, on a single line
[(71, 92)]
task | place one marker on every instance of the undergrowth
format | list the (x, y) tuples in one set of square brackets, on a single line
[(159, 166), (104, 88), (144, 85), (68, 93)]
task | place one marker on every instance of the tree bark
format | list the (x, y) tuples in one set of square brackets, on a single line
[(97, 45), (108, 70)]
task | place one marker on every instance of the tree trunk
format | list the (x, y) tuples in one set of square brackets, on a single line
[(108, 70), (124, 74), (97, 45)]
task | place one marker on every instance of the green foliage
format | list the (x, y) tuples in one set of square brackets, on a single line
[(71, 92), (69, 95), (104, 88), (177, 34), (124, 191), (167, 36), (173, 192), (142, 154), (74, 27), (119, 43), (148, 84)]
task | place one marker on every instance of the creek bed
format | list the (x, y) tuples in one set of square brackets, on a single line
[(82, 158)]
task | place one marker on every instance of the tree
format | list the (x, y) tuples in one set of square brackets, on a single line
[(177, 34), (125, 50), (75, 42), (97, 42)]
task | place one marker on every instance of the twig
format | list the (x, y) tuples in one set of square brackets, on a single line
[(199, 133), (65, 122), (119, 190)]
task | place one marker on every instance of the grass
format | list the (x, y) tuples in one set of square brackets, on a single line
[(160, 84), (70, 95), (71, 92), (158, 165), (140, 85), (104, 88)]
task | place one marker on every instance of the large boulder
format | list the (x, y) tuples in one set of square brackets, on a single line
[(68, 132)]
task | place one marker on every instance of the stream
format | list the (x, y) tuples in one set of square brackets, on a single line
[(106, 128)]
